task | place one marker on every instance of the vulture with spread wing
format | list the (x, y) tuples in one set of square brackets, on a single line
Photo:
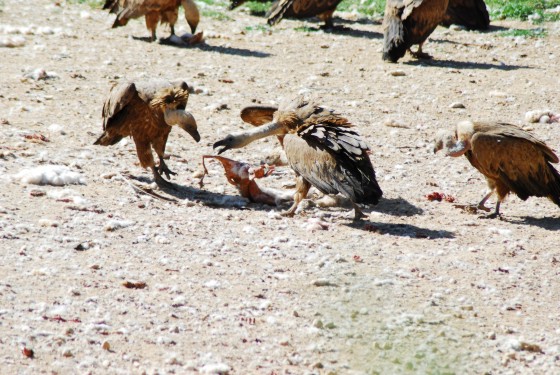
[(471, 14), (511, 159), (321, 147), (146, 111), (154, 11), (409, 22)]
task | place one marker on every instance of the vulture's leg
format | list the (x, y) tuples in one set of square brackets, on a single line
[(326, 17), (495, 214), (152, 19), (481, 205), (358, 214), (419, 54), (158, 145), (302, 188), (147, 161)]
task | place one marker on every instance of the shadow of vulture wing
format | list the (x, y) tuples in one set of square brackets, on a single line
[(258, 115), (471, 14), (514, 158)]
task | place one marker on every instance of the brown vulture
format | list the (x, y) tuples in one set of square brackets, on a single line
[(154, 11), (321, 147), (409, 22), (471, 14), (511, 159), (146, 111), (323, 9)]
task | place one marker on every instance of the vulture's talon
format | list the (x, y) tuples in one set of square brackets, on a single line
[(163, 169)]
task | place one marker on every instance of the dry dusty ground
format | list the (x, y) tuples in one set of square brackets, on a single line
[(420, 287)]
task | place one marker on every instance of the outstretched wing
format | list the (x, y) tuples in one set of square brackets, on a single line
[(258, 115)]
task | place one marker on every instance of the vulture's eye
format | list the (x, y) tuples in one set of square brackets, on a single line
[(168, 100)]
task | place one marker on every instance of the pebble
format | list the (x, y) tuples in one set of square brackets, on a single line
[(397, 73), (457, 105)]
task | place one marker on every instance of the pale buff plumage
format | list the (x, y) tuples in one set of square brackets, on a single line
[(321, 147)]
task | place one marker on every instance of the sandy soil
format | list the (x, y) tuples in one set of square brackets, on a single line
[(233, 287)]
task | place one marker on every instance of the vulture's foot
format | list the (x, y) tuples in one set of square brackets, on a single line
[(482, 207), (288, 213), (161, 182), (358, 214), (421, 55), (163, 169)]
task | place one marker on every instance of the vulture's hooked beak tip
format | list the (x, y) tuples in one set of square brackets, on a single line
[(196, 137), (218, 144)]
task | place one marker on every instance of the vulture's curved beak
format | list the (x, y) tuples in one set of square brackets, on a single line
[(221, 143)]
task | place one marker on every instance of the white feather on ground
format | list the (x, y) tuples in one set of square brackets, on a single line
[(57, 175)]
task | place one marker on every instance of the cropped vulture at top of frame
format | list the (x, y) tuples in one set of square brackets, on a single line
[(154, 12)]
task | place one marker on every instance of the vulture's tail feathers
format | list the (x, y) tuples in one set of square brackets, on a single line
[(107, 139), (554, 185), (277, 11), (394, 46)]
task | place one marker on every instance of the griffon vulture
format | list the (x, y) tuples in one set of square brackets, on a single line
[(511, 159), (321, 147), (409, 22), (154, 11), (471, 14), (146, 111)]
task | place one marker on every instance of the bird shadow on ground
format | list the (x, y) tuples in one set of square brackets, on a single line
[(356, 33), (338, 29), (397, 207), (548, 223), (401, 230), (466, 64), (219, 49), (190, 193)]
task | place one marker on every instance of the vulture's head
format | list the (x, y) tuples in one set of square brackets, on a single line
[(183, 119), (171, 98), (445, 139), (231, 141), (238, 140), (192, 15)]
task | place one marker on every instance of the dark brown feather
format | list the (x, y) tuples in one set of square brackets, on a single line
[(409, 22), (302, 9), (471, 14)]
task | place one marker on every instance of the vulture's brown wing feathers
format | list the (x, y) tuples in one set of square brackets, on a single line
[(119, 97), (258, 115), (299, 9), (471, 14), (409, 22), (333, 157), (518, 160)]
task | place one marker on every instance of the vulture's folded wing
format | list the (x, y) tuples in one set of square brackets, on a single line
[(118, 98)]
